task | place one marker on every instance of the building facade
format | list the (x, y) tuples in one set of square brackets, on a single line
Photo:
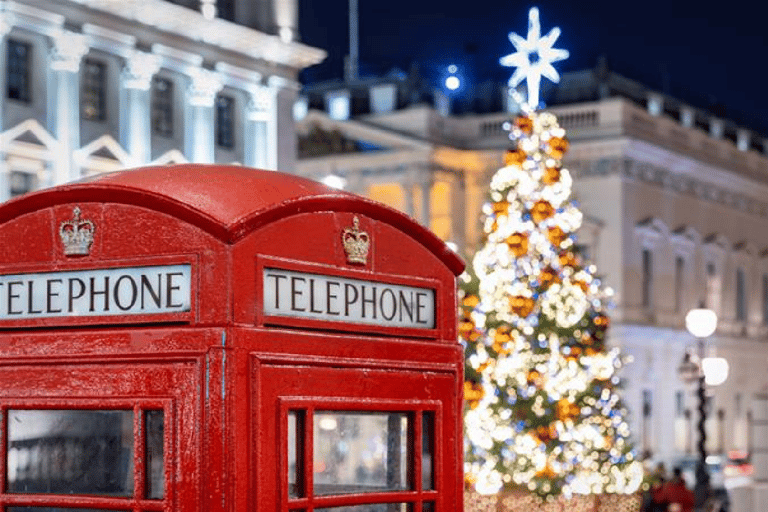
[(91, 86), (675, 217)]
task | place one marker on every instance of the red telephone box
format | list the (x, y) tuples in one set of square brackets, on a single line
[(224, 339)]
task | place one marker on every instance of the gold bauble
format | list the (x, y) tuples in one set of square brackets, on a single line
[(524, 124), (466, 327), (556, 235), (557, 146), (470, 301), (473, 393), (500, 208), (551, 176), (568, 259), (518, 244), (521, 305), (547, 277), (515, 157), (541, 210), (502, 335)]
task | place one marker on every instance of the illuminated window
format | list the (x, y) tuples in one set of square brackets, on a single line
[(440, 203), (19, 68), (337, 104), (225, 121), (391, 194), (93, 90), (162, 107)]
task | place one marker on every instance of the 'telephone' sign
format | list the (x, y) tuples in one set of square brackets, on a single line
[(340, 299), (81, 293)]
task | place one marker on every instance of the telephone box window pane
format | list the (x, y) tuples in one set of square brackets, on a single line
[(373, 507), (295, 464), (154, 427), (360, 452), (427, 449), (70, 452), (427, 507)]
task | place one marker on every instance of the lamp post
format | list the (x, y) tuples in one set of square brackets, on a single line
[(712, 371)]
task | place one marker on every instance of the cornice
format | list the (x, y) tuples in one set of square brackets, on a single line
[(224, 34), (646, 172)]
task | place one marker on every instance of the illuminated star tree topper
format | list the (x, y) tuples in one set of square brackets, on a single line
[(534, 57)]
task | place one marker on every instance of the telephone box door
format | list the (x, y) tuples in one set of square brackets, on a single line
[(335, 439), (96, 436)]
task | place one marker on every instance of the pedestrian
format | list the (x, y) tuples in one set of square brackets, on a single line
[(678, 496), (658, 499)]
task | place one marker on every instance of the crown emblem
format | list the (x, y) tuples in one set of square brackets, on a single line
[(356, 243), (76, 234)]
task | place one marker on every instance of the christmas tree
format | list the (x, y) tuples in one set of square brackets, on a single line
[(543, 410)]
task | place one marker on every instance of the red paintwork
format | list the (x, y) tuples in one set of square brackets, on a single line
[(223, 372)]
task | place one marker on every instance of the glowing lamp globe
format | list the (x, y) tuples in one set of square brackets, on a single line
[(715, 370), (701, 322)]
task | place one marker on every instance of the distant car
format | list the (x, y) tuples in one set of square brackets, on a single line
[(715, 464)]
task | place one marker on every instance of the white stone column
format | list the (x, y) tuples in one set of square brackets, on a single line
[(200, 117), (281, 129), (5, 186), (135, 108), (655, 104), (759, 438), (259, 146), (743, 139), (286, 19), (67, 50), (426, 206), (759, 452), (687, 117)]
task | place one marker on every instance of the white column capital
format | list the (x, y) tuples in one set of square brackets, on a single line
[(6, 23), (139, 69), (67, 51), (203, 87), (261, 101)]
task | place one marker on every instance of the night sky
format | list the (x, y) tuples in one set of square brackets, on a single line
[(713, 56)]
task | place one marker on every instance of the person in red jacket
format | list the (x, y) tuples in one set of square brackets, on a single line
[(677, 494)]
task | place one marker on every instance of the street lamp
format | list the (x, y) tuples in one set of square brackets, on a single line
[(712, 371)]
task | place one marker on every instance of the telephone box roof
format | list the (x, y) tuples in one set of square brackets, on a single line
[(227, 201)]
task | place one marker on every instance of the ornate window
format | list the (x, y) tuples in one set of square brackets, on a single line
[(647, 279), (19, 69), (225, 121), (765, 299), (741, 296), (225, 9), (162, 107), (93, 90)]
